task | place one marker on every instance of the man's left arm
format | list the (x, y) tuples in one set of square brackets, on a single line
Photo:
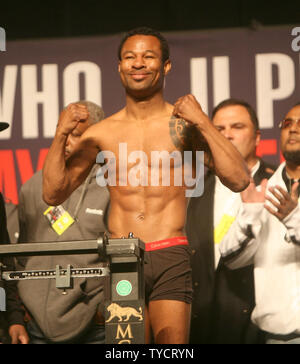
[(227, 162)]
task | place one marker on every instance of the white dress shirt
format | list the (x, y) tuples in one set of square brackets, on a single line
[(273, 246), (226, 202)]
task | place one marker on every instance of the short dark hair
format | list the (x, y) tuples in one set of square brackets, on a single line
[(165, 50), (234, 102)]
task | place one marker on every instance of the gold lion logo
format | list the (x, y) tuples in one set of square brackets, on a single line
[(120, 312)]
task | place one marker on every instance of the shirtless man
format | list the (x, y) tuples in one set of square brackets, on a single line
[(152, 213)]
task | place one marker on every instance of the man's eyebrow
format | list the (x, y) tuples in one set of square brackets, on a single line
[(146, 51), (231, 124), (150, 50)]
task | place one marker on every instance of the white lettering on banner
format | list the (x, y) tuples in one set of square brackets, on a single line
[(48, 96), (296, 41), (199, 81), (221, 79), (31, 97), (51, 92), (7, 98), (92, 75), (220, 76), (265, 93)]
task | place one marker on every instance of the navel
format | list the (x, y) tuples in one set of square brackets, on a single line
[(141, 216)]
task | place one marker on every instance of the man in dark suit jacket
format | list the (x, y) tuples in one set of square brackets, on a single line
[(12, 318), (223, 300), (12, 221)]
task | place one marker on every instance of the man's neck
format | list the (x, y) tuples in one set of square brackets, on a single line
[(141, 109), (293, 170), (251, 162)]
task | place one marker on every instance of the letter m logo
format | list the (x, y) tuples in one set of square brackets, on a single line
[(2, 40), (124, 334)]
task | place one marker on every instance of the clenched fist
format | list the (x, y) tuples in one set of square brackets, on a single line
[(70, 117), (189, 109)]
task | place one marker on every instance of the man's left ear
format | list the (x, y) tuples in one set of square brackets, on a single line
[(167, 67), (258, 135)]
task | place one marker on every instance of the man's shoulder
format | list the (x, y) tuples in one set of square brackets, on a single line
[(117, 117), (277, 176), (265, 170), (33, 182), (268, 166), (103, 125)]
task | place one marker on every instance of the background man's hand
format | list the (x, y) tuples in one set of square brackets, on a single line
[(287, 202), (70, 117), (18, 334), (252, 195)]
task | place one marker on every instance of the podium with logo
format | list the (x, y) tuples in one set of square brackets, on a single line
[(125, 305)]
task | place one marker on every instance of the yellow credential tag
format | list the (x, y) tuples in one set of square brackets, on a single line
[(59, 219), (223, 227)]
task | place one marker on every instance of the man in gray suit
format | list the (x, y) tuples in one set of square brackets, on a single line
[(54, 317)]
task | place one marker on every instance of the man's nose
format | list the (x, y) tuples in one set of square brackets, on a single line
[(227, 134), (138, 62), (295, 127)]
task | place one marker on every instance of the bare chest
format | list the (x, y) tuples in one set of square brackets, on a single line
[(131, 140)]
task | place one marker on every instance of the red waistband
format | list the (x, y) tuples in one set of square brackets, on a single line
[(167, 243)]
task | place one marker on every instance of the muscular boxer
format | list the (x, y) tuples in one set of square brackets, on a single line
[(155, 214)]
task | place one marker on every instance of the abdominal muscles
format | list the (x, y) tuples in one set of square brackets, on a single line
[(150, 213)]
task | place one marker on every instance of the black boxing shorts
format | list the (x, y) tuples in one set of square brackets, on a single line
[(167, 269)]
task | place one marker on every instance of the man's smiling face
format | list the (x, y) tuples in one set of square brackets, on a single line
[(141, 68)]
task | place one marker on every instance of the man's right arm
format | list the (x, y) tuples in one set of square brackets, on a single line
[(220, 154), (240, 244), (56, 180), (60, 179)]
